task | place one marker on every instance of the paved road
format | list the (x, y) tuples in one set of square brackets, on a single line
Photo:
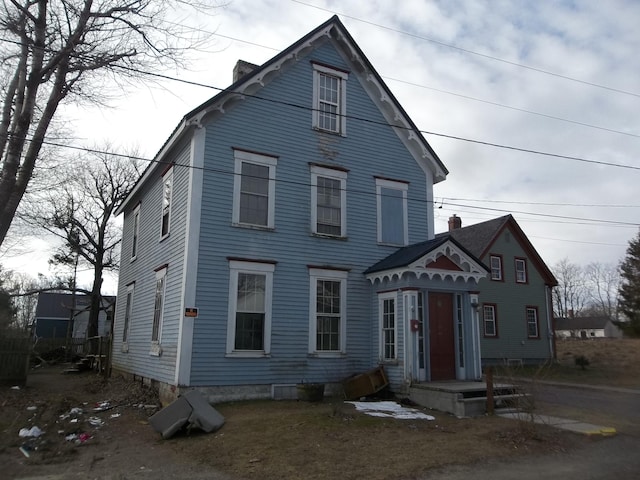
[(601, 459)]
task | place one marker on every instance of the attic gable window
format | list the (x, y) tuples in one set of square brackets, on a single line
[(521, 270), (254, 189), (329, 99), (496, 268)]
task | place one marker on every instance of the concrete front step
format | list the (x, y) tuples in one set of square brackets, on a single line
[(466, 399)]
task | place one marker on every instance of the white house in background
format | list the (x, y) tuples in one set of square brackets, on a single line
[(586, 327)]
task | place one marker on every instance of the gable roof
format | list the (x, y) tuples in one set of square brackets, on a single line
[(479, 238), (425, 258), (247, 86), (578, 323)]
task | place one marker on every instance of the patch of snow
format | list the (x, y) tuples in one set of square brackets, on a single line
[(390, 410)]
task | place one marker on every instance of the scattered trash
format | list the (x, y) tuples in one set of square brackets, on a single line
[(32, 408), (75, 411), (15, 387), (83, 437), (390, 410), (102, 406), (115, 415), (95, 421), (71, 437), (25, 450), (365, 384), (30, 432), (73, 420)]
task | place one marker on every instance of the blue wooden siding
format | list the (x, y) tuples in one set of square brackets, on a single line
[(152, 254), (274, 128), (512, 299)]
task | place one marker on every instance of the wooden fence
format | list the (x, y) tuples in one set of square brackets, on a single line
[(14, 360)]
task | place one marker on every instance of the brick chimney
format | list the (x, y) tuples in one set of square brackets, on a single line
[(241, 69), (455, 222)]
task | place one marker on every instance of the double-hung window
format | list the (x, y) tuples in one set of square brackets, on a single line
[(136, 233), (254, 189), (392, 216), (496, 268), (533, 330), (490, 320), (158, 310), (167, 192), (329, 99), (127, 317), (521, 270), (327, 312), (250, 292), (328, 201), (388, 326)]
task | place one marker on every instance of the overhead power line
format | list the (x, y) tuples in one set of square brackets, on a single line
[(472, 52)]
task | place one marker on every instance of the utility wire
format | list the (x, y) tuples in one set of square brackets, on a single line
[(472, 52), (579, 220)]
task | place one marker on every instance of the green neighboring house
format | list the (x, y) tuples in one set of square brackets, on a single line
[(515, 309)]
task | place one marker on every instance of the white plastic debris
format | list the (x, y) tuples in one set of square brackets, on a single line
[(30, 432), (95, 421), (32, 408), (15, 387)]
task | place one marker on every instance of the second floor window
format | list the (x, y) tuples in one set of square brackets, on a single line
[(328, 201), (136, 233), (254, 189), (521, 270), (392, 214)]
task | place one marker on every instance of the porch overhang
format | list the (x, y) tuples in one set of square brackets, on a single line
[(445, 261)]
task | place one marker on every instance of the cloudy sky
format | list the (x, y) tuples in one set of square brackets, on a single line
[(490, 83)]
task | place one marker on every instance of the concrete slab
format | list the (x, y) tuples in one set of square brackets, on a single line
[(562, 423)]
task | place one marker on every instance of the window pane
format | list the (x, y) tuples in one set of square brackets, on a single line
[(392, 216), (254, 194), (328, 315), (251, 293), (328, 334), (249, 331), (388, 329), (157, 310), (329, 206)]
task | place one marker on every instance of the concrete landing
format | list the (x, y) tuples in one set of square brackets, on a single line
[(562, 423)]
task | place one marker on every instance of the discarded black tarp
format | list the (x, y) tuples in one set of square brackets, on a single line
[(191, 409)]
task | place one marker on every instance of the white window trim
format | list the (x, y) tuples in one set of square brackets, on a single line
[(381, 298), (128, 308), (394, 185), (342, 118), (135, 237), (536, 322), (240, 157), (499, 259), (341, 176), (156, 349), (484, 321), (266, 269), (341, 276), (167, 175)]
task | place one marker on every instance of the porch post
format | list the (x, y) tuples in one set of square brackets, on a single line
[(475, 335)]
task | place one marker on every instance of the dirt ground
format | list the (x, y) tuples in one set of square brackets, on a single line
[(99, 429)]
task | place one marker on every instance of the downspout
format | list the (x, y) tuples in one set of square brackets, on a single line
[(550, 331)]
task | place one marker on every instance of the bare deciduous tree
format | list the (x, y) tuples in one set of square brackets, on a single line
[(80, 213), (570, 296), (65, 50), (603, 281)]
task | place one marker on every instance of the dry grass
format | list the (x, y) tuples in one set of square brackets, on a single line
[(612, 362), (285, 439)]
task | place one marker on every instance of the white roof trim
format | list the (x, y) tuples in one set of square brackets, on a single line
[(471, 271)]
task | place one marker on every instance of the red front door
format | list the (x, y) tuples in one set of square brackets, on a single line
[(442, 353)]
